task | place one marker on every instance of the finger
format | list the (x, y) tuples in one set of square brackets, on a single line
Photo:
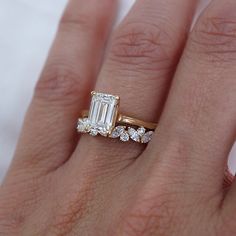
[(197, 129), (48, 136), (139, 65)]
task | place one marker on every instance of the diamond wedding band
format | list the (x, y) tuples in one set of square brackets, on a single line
[(104, 119)]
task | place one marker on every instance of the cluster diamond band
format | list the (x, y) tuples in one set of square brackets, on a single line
[(104, 119)]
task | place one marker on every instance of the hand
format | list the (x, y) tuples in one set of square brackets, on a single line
[(61, 185)]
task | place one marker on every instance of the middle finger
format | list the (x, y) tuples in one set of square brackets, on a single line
[(140, 62)]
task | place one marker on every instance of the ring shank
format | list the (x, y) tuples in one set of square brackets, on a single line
[(122, 119)]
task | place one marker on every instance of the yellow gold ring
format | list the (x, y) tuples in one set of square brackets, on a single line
[(104, 118)]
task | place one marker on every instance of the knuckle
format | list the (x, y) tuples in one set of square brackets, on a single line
[(16, 204), (215, 37), (72, 210), (79, 24), (59, 83), (150, 216), (142, 45), (70, 22)]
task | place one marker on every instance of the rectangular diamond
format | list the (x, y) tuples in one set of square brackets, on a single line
[(103, 111)]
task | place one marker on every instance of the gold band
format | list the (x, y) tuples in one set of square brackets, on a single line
[(122, 119)]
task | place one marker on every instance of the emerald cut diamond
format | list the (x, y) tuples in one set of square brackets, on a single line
[(103, 112)]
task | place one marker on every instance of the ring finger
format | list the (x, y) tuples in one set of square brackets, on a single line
[(140, 62)]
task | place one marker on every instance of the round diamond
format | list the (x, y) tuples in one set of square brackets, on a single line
[(124, 136), (134, 134), (141, 131), (103, 132), (81, 128), (117, 131), (83, 125), (147, 137), (93, 132)]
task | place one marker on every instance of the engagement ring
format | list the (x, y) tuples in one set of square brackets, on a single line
[(104, 119)]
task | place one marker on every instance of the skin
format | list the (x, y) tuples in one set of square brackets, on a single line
[(62, 184)]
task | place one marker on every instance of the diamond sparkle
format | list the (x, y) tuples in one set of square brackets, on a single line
[(103, 112), (141, 131), (124, 136), (117, 131), (134, 135), (83, 125), (147, 137)]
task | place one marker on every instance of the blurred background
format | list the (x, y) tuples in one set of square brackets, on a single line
[(27, 29)]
